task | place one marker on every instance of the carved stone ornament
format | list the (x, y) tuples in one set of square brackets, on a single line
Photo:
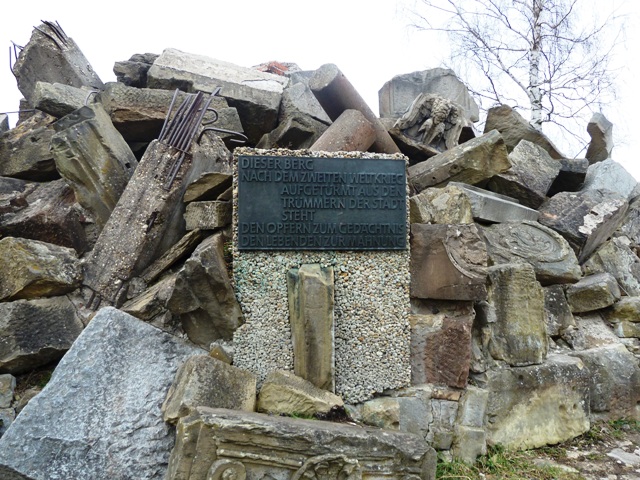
[(433, 120), (227, 470), (329, 467)]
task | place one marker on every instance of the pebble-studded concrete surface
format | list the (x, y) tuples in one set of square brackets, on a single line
[(371, 308)]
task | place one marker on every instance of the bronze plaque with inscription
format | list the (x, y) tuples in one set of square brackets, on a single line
[(303, 203)]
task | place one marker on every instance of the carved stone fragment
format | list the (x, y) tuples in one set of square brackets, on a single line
[(350, 132), (529, 242)]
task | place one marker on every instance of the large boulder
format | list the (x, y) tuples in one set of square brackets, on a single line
[(99, 416), (610, 175)]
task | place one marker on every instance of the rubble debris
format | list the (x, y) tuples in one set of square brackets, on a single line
[(593, 292), (570, 177), (133, 72), (351, 131), (207, 215), (601, 132), (610, 175), (58, 100)]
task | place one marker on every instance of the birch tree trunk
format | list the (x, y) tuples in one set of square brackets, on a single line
[(533, 91)]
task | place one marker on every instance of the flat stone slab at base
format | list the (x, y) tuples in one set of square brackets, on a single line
[(99, 417), (218, 443)]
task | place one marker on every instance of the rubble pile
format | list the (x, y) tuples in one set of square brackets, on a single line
[(116, 206)]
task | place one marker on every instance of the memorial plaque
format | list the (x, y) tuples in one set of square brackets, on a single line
[(305, 203)]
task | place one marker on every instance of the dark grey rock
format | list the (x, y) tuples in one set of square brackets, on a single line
[(571, 176), (133, 72), (601, 132), (58, 100), (610, 175), (99, 416)]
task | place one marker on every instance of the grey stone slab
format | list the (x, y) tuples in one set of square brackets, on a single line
[(615, 257), (610, 175), (7, 416), (133, 72), (488, 206), (558, 313), (296, 131), (406, 414), (593, 292), (207, 215), (256, 445), (36, 332), (58, 100), (209, 186), (256, 95), (99, 416), (396, 95), (298, 98)]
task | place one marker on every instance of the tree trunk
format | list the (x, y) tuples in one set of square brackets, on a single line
[(535, 97)]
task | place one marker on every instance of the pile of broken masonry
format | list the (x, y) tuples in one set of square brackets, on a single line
[(114, 249)]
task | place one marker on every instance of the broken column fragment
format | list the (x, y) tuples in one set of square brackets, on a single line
[(94, 159), (350, 132), (472, 162), (336, 94), (601, 132), (311, 292), (51, 56), (492, 207), (256, 95), (448, 262)]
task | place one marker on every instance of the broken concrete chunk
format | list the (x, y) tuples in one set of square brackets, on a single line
[(46, 212), (58, 100), (94, 159), (492, 207), (311, 302), (112, 412), (36, 269), (397, 95), (185, 246), (298, 98), (515, 128), (53, 57), (558, 313), (540, 405), (296, 131), (448, 262), (529, 242), (203, 381), (513, 318), (203, 296), (585, 219), (593, 293), (531, 174), (616, 258), (449, 204), (256, 95), (472, 162), (24, 150), (351, 131), (572, 173), (36, 332), (133, 72), (285, 393), (336, 94), (207, 215), (207, 186), (441, 343), (601, 132), (610, 175), (306, 449)]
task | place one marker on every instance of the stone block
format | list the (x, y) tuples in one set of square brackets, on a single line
[(7, 416), (203, 381), (351, 131), (448, 262), (531, 175), (203, 297), (53, 57), (627, 329), (472, 410), (444, 418), (515, 128), (468, 443), (558, 313), (258, 445), (548, 252), (585, 219), (610, 175), (256, 95), (139, 113), (184, 247), (592, 332), (208, 186), (396, 95), (207, 215), (593, 292), (4, 123), (447, 205), (601, 132), (626, 309), (571, 176), (513, 318), (36, 332), (94, 159), (311, 303), (614, 381), (539, 405), (297, 97), (36, 269), (24, 150), (441, 343), (616, 258), (295, 132), (406, 414), (472, 162), (7, 387), (630, 226), (133, 72), (47, 212), (492, 207), (101, 408), (287, 394), (336, 94), (151, 304), (58, 99)]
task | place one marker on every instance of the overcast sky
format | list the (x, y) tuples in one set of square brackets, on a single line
[(369, 41)]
